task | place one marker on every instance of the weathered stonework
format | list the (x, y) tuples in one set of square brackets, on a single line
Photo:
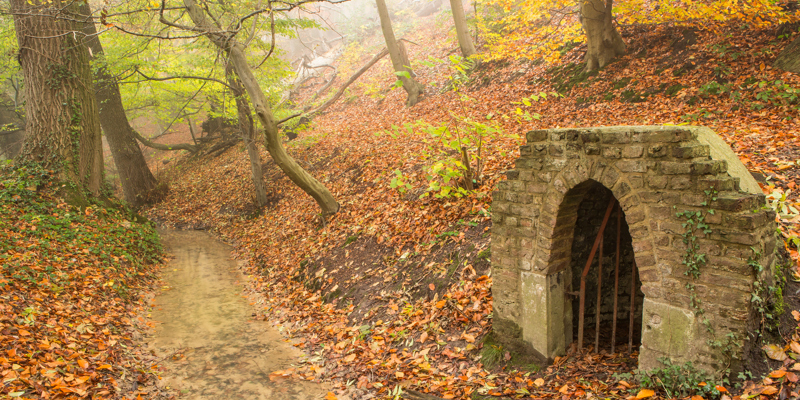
[(654, 172)]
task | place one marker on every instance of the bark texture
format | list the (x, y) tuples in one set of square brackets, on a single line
[(789, 58), (603, 41), (62, 127), (236, 57), (247, 128), (134, 174), (399, 61), (460, 19)]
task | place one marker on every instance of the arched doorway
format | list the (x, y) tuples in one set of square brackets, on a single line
[(656, 173), (603, 277)]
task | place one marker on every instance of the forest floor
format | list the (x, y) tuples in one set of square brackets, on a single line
[(394, 291), (205, 332)]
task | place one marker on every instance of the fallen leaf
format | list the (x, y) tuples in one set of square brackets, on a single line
[(538, 382), (330, 396), (769, 390), (645, 393), (774, 352), (795, 347), (775, 374)]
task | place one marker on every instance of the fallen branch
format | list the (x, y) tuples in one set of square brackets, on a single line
[(325, 87), (167, 147), (349, 82)]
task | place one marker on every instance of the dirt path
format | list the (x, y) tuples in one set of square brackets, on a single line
[(213, 349)]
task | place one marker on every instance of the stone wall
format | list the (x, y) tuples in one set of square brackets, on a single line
[(654, 173)]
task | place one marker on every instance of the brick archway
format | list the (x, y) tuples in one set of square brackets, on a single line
[(654, 172)]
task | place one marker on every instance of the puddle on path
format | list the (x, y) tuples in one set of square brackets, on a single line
[(204, 317)]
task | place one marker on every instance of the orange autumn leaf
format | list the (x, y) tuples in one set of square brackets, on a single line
[(795, 347), (769, 390), (777, 374), (645, 393), (330, 396), (83, 364)]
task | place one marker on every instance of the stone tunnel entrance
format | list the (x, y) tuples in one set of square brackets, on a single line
[(608, 274), (548, 212)]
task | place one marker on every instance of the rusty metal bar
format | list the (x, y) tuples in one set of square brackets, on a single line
[(616, 283), (633, 305), (599, 298), (586, 271)]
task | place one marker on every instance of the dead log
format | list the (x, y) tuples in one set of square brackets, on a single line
[(325, 87), (349, 82)]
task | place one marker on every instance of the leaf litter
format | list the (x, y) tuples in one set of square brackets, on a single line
[(373, 293)]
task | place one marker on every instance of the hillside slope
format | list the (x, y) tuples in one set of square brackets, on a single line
[(395, 289)]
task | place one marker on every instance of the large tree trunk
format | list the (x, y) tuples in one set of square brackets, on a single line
[(603, 41), (789, 58), (134, 174), (464, 40), (235, 52), (62, 127), (412, 87), (248, 135)]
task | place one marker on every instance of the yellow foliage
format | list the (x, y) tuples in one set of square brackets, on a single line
[(540, 28)]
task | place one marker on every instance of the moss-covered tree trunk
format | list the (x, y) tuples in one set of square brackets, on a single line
[(62, 126), (460, 19), (134, 174), (412, 87), (603, 41), (248, 135), (236, 57)]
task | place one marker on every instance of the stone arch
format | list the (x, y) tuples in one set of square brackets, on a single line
[(654, 172)]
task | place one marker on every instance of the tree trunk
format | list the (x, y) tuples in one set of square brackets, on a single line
[(464, 40), (248, 136), (62, 127), (603, 41), (235, 52), (412, 87), (134, 174), (789, 58)]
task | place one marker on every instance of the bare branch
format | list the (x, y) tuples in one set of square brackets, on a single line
[(170, 78)]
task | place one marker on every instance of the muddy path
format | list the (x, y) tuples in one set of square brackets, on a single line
[(211, 346)]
